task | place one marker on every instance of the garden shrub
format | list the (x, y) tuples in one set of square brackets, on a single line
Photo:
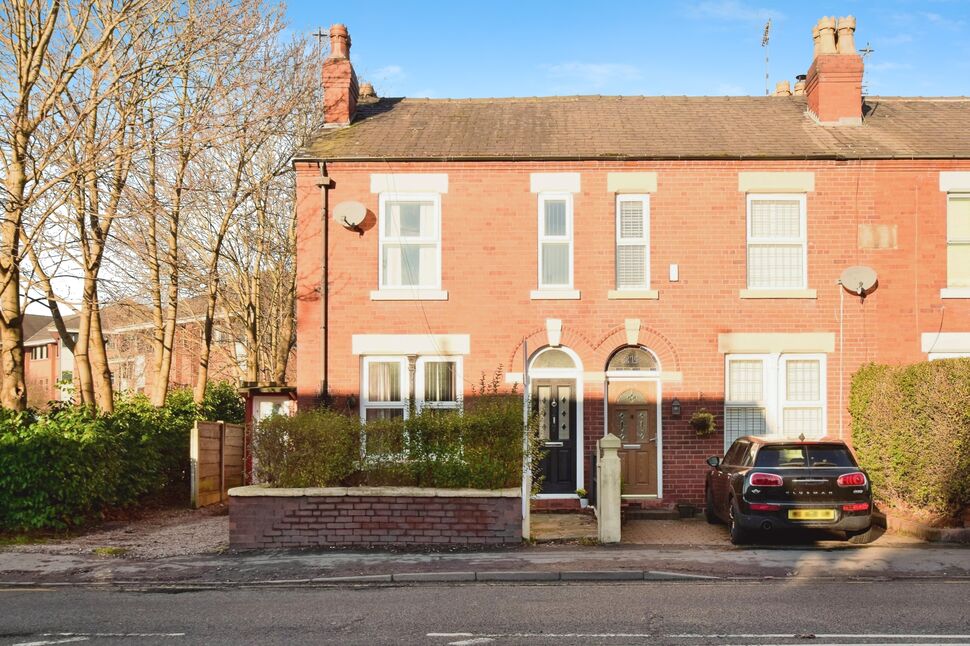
[(69, 464), (479, 448), (316, 448), (911, 432)]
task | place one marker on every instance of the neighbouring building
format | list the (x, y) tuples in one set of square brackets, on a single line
[(128, 331), (639, 258)]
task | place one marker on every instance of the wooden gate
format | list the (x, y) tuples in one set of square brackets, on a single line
[(217, 455)]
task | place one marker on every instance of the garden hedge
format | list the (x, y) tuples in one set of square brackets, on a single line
[(911, 432), (480, 448), (65, 466)]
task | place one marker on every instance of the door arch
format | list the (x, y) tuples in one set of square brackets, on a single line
[(556, 394), (632, 412)]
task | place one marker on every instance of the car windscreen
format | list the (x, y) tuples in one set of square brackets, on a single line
[(814, 455)]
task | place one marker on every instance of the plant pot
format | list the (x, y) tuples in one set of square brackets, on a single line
[(583, 503)]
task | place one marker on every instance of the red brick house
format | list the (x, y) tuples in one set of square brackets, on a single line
[(641, 257), (49, 366)]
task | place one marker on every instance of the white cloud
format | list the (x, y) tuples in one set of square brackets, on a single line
[(592, 75), (732, 10)]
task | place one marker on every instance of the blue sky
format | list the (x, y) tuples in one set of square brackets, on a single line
[(459, 48)]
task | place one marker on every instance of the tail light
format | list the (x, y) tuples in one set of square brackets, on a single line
[(856, 506), (765, 480), (857, 479), (763, 506)]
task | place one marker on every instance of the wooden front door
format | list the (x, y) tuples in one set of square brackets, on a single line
[(632, 411), (555, 402)]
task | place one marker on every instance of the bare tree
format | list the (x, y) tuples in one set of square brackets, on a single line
[(43, 46)]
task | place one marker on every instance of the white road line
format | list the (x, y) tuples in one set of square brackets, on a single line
[(471, 642), (681, 574), (52, 641), (112, 634)]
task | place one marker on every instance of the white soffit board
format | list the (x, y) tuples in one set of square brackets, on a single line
[(780, 182), (409, 183), (955, 181), (403, 344), (945, 341), (760, 343), (631, 182), (554, 182)]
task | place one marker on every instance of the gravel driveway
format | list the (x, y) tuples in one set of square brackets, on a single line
[(156, 534)]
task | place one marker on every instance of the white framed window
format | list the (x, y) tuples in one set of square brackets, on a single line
[(632, 242), (776, 237), (555, 241), (38, 352), (410, 241), (438, 382), (774, 394), (384, 388), (935, 356), (958, 241)]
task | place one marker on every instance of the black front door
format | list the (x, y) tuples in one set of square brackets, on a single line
[(555, 402)]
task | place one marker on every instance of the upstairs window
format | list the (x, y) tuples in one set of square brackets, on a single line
[(555, 241), (776, 242), (958, 241), (632, 242), (410, 241), (38, 352)]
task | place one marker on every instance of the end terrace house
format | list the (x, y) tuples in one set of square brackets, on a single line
[(642, 258)]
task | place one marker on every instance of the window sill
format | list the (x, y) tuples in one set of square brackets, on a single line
[(777, 293), (554, 294), (409, 295), (955, 292), (633, 294)]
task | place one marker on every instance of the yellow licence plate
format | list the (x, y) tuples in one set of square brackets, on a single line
[(811, 514)]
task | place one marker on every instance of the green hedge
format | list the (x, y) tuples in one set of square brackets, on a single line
[(911, 431), (480, 448), (68, 465)]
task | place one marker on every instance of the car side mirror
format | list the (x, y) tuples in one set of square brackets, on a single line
[(714, 461)]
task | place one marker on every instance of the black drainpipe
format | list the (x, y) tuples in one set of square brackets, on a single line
[(325, 183)]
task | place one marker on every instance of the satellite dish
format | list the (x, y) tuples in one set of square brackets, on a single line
[(859, 279), (350, 214)]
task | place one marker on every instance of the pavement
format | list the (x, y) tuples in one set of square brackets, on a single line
[(161, 553)]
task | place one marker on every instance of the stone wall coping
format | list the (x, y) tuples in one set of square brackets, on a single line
[(413, 492)]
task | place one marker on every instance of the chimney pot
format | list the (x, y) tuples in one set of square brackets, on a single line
[(816, 39), (846, 41), (826, 32), (782, 88), (339, 42), (800, 85), (367, 91)]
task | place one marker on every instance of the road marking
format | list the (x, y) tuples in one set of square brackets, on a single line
[(69, 638), (681, 574), (52, 641), (471, 642)]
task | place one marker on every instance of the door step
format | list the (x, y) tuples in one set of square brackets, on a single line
[(649, 509)]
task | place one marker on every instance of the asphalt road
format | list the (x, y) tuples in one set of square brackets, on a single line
[(781, 612)]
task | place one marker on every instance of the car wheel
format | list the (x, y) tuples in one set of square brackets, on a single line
[(862, 537), (709, 514), (739, 535)]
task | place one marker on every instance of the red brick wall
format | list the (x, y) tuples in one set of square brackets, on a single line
[(697, 218), (268, 522)]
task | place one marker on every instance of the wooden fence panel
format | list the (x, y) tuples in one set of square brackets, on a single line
[(217, 453)]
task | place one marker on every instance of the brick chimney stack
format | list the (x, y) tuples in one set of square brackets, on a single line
[(834, 81), (340, 90)]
